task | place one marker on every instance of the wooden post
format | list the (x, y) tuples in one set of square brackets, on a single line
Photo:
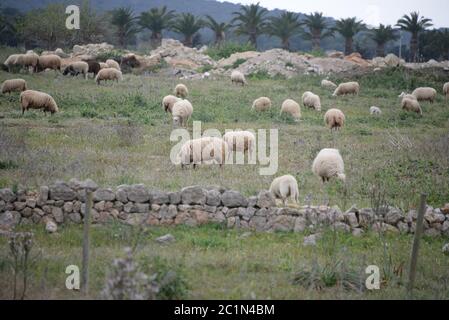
[(416, 240), (85, 266)]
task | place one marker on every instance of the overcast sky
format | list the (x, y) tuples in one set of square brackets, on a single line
[(372, 12)]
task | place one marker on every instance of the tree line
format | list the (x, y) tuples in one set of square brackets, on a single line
[(46, 26)]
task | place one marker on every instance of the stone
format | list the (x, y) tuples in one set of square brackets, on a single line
[(218, 217), (166, 239), (366, 217), (300, 225), (282, 224), (403, 227), (2, 205), (7, 195), (68, 207), (123, 215), (210, 209), (39, 212), (193, 195), (186, 219), (247, 213), (76, 206), (57, 214), (391, 60), (50, 226), (138, 193), (445, 209), (75, 217), (265, 199), (213, 198), (9, 219), (341, 227), (393, 216), (433, 233), (258, 223), (121, 195), (357, 232), (89, 185), (31, 203), (445, 227), (351, 219), (141, 208), (434, 216), (43, 194), (103, 194), (100, 206), (385, 227), (62, 191), (233, 222), (168, 212), (446, 249), (174, 197), (201, 217), (311, 240), (59, 203), (233, 199), (36, 218), (19, 206), (27, 212), (158, 197), (252, 201)]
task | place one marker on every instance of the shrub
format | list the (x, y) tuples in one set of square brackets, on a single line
[(225, 50)]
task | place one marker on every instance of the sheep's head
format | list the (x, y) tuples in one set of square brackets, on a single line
[(341, 176), (402, 95), (176, 121)]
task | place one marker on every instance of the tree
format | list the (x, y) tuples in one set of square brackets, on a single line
[(348, 28), (434, 44), (124, 20), (284, 27), (92, 26), (156, 20), (317, 29), (414, 24), (251, 21), (381, 36), (9, 18), (218, 28), (187, 25)]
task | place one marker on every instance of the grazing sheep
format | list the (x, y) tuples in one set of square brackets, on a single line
[(30, 59), (238, 77), (94, 67), (375, 111), (328, 84), (334, 119), (347, 88), (76, 68), (181, 113), (13, 85), (113, 64), (181, 91), (262, 104), (411, 104), (311, 100), (207, 150), (425, 94), (11, 61), (103, 65), (31, 99), (329, 163), (292, 108), (50, 61), (168, 102), (284, 187), (240, 141), (108, 74), (446, 90)]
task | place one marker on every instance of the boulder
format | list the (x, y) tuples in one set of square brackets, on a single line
[(233, 199), (193, 195), (158, 197), (7, 195), (62, 191), (138, 193), (265, 199), (103, 195)]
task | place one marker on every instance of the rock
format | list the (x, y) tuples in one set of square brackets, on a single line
[(89, 185), (392, 60), (384, 227), (300, 225), (218, 217), (27, 212), (213, 198), (43, 194), (393, 216), (351, 219), (193, 195), (7, 195), (121, 194), (446, 249), (68, 207), (9, 219), (311, 240), (341, 227), (141, 207), (233, 199), (57, 214), (357, 232), (100, 206), (50, 226), (445, 209), (62, 191), (226, 62), (201, 217), (336, 55), (431, 232), (366, 217), (445, 228), (258, 223), (158, 197), (233, 222), (39, 212), (434, 216), (19, 206), (265, 199), (92, 49), (75, 217), (103, 195), (138, 193), (282, 224), (174, 198), (252, 201), (166, 239), (31, 203), (403, 227)]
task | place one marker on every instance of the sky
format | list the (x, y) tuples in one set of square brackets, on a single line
[(372, 12)]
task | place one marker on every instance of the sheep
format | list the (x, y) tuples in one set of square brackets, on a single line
[(181, 113), (284, 187), (50, 61), (76, 68), (31, 99), (12, 85), (103, 65), (425, 94), (329, 163), (347, 88), (108, 74), (94, 67), (375, 111), (168, 103), (261, 104), (411, 104), (446, 90), (113, 64), (30, 59), (311, 100), (328, 84), (238, 77), (181, 91), (11, 61), (292, 108), (240, 141), (203, 150), (334, 119)]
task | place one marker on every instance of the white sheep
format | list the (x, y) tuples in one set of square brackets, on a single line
[(261, 104), (103, 65), (425, 94), (14, 85), (31, 99), (311, 100), (113, 64), (181, 113), (181, 91), (76, 68), (30, 59), (292, 108), (238, 77), (347, 88), (11, 61), (328, 84), (168, 102), (50, 61), (240, 141), (284, 187), (446, 90), (334, 119), (108, 74), (375, 111), (205, 150), (411, 104), (329, 163)]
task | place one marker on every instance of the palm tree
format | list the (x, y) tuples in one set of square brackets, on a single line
[(414, 24), (317, 29), (348, 28), (188, 25), (251, 21), (381, 36), (284, 27), (156, 20), (124, 20), (218, 28)]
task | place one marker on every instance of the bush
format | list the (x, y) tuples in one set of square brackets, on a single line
[(225, 50), (114, 55)]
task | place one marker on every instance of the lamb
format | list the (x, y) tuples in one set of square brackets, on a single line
[(94, 67), (311, 100), (168, 103), (181, 91), (375, 111), (11, 61), (238, 77), (181, 113), (329, 163), (113, 64), (108, 74), (76, 68), (13, 85), (446, 90), (425, 94), (103, 65), (411, 104), (50, 61), (203, 150), (334, 119), (262, 104), (292, 108), (31, 99), (30, 59), (284, 187), (328, 84), (347, 88), (240, 141)]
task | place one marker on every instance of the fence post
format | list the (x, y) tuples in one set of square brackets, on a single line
[(415, 248), (85, 266)]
